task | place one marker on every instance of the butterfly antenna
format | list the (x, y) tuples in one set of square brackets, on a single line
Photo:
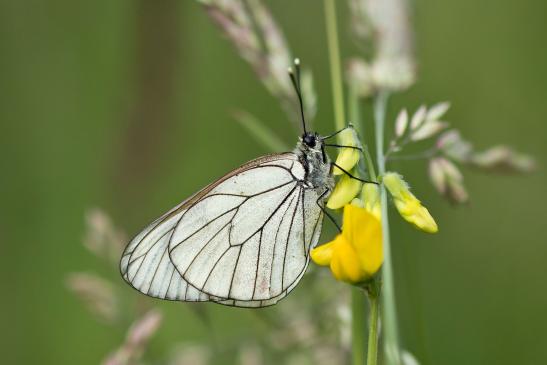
[(295, 78)]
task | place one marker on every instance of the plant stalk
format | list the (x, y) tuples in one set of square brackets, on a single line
[(358, 326), (389, 314), (354, 108), (358, 302), (372, 355), (355, 117), (334, 60)]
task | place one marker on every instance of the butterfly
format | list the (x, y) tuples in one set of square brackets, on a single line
[(245, 239)]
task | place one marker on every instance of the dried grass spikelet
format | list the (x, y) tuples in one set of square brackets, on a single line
[(96, 294), (136, 341), (447, 180), (384, 27), (102, 237), (253, 31), (190, 354), (499, 159), (503, 159)]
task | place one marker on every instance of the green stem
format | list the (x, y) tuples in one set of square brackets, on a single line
[(354, 108), (358, 299), (372, 355), (391, 336), (355, 117), (358, 326), (370, 165), (334, 59)]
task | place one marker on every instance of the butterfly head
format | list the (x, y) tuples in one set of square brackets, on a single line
[(311, 141), (312, 145)]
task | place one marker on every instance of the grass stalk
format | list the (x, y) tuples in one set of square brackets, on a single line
[(358, 326), (372, 354), (389, 314), (334, 59), (358, 302)]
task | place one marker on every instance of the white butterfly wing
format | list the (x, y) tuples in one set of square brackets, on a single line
[(146, 265), (243, 240)]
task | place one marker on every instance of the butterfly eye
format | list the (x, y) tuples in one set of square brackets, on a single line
[(309, 140)]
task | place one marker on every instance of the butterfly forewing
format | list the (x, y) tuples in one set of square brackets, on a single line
[(243, 240)]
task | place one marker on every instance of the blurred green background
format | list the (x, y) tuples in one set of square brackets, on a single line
[(126, 105)]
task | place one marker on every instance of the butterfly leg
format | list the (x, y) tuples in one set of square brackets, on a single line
[(352, 176), (337, 132), (318, 201), (342, 146)]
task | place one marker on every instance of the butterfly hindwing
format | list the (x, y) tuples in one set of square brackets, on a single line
[(146, 265)]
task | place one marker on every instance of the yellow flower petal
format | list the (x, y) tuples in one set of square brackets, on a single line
[(345, 190), (322, 255), (364, 231), (355, 255), (410, 208), (345, 265), (347, 157)]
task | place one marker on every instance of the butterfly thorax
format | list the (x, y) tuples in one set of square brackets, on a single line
[(310, 151)]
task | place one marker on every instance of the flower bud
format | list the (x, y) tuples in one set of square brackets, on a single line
[(348, 157), (371, 198), (410, 208), (345, 190)]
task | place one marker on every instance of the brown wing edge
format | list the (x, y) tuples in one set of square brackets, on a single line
[(246, 166)]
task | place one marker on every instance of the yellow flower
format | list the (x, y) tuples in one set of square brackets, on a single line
[(348, 157), (345, 190), (410, 208), (355, 255)]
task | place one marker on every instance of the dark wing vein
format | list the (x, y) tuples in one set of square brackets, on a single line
[(271, 215), (215, 265), (276, 235), (157, 267), (287, 241), (304, 223), (205, 245), (143, 255), (170, 282), (132, 260), (258, 260), (203, 227), (233, 271)]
